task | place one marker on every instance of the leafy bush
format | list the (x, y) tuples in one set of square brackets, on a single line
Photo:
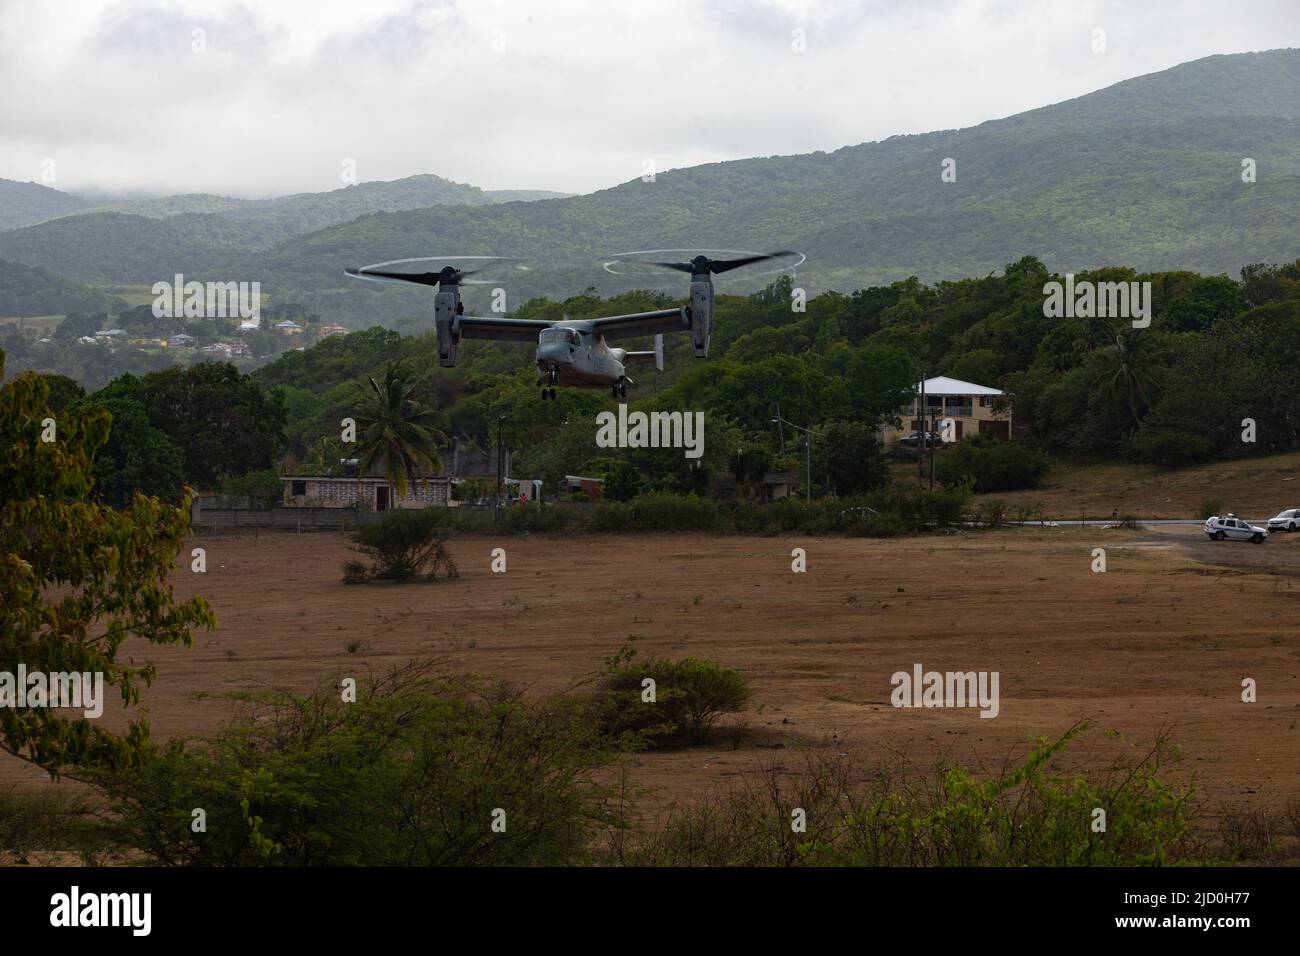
[(262, 488), (402, 546), (40, 821), (690, 695), (409, 774), (1211, 506), (991, 514), (991, 465)]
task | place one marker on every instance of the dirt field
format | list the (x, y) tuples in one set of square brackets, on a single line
[(1160, 642)]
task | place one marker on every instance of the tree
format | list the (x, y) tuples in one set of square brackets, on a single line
[(136, 457), (78, 578), (1134, 363), (849, 456), (397, 429), (223, 423), (63, 391), (621, 482), (77, 324)]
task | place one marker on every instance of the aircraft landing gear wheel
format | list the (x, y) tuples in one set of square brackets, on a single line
[(616, 391), (622, 390), (1219, 536)]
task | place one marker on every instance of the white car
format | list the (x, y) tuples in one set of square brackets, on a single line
[(1224, 527), (1287, 520)]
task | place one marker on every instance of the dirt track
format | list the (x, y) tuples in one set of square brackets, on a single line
[(1159, 642)]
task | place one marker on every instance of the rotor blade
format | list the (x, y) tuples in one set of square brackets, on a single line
[(679, 266), (726, 265), (421, 278)]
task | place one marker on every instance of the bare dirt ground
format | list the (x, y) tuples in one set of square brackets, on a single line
[(1158, 643)]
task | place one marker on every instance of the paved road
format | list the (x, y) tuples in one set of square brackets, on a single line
[(1177, 522)]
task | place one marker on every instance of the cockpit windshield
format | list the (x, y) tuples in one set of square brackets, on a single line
[(562, 335)]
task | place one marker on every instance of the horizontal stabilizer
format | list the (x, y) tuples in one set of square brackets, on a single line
[(657, 354)]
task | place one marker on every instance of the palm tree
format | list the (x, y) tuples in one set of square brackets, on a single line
[(398, 429), (1134, 366)]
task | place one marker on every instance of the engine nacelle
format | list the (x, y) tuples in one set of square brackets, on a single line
[(446, 313), (701, 314)]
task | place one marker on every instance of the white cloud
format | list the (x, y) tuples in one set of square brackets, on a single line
[(559, 94)]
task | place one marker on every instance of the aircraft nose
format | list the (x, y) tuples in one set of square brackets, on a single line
[(554, 353)]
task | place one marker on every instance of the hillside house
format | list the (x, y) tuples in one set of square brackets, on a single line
[(974, 409)]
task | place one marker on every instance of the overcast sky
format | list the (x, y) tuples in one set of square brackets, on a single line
[(264, 97)]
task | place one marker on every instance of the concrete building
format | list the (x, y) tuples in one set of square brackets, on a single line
[(972, 408), (375, 493)]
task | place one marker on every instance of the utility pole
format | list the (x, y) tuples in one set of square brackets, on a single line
[(807, 447), (920, 435), (501, 463), (807, 451), (933, 426)]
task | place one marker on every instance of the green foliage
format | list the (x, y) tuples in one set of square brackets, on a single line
[(849, 456), (78, 578), (898, 509), (689, 697), (622, 482), (403, 545), (1172, 449), (136, 458), (50, 820), (263, 488), (397, 430), (409, 774), (28, 290), (221, 421), (987, 464), (63, 392), (1025, 816), (1209, 507)]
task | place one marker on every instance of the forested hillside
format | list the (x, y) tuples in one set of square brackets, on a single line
[(22, 204), (28, 291)]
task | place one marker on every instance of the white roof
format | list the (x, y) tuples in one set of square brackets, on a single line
[(287, 324), (943, 385)]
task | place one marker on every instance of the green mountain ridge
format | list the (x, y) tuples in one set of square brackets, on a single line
[(22, 204), (1146, 172)]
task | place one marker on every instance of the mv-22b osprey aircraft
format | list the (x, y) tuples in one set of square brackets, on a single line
[(572, 352)]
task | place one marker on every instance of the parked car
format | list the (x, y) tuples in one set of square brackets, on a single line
[(915, 439), (1230, 527), (1287, 520)]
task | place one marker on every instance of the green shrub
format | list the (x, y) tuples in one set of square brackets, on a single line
[(47, 820), (1022, 817), (690, 695), (991, 465), (409, 774), (1210, 507), (403, 545), (991, 514)]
